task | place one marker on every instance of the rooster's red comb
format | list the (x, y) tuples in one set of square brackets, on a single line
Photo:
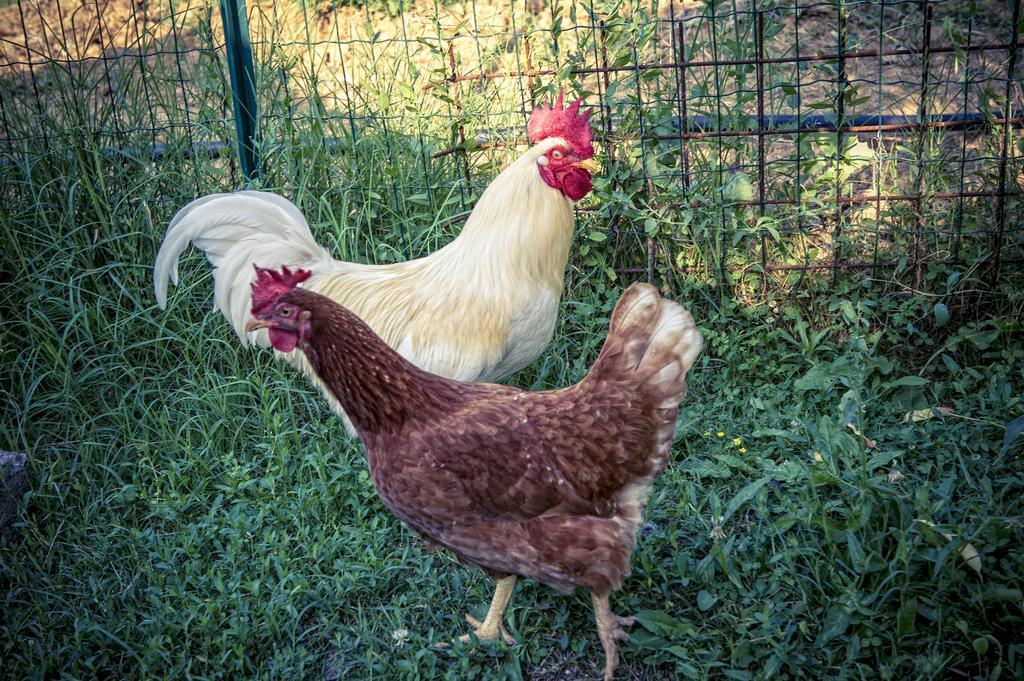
[(271, 285), (557, 121)]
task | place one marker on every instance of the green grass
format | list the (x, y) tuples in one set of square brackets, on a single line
[(196, 511)]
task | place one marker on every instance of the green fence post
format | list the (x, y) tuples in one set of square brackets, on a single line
[(243, 83)]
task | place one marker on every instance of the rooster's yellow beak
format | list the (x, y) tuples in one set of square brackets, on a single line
[(590, 165), (254, 324)]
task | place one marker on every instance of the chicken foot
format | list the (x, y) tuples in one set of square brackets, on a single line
[(492, 627), (610, 628)]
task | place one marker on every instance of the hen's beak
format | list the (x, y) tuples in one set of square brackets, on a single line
[(590, 165), (254, 324)]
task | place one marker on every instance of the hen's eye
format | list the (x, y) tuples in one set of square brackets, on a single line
[(556, 154), (286, 312)]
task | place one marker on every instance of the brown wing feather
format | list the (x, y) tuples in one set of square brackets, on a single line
[(527, 483)]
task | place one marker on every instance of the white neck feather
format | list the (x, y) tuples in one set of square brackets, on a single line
[(520, 225)]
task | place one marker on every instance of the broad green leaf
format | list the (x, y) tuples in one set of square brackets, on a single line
[(663, 624), (849, 314), (857, 557), (642, 638), (951, 364), (911, 381), (836, 621), (685, 668), (772, 667), (983, 339), (774, 432), (738, 188), (784, 523), (880, 459), (818, 377), (905, 618), (744, 495), (1013, 429), (1002, 593)]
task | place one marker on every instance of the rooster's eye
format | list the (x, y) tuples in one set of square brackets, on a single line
[(286, 312), (556, 154)]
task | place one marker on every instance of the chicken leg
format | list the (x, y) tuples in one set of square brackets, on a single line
[(610, 628), (492, 627)]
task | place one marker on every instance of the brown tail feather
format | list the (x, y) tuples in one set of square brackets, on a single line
[(651, 344), (653, 338)]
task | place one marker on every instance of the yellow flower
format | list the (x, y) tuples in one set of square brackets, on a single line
[(720, 434), (817, 456), (743, 450), (707, 433), (737, 442)]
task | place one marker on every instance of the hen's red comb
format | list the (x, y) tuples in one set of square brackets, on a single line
[(557, 121), (271, 285)]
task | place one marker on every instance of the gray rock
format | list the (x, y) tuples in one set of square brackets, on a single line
[(13, 484)]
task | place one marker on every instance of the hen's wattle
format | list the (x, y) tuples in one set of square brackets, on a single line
[(283, 341)]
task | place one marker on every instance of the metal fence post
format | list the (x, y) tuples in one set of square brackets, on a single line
[(243, 83), (1004, 155)]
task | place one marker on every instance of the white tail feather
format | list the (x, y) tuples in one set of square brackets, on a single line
[(236, 231)]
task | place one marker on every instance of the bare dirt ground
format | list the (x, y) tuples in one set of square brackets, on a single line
[(341, 48), (161, 66)]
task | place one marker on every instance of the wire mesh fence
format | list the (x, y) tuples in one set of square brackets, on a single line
[(746, 144)]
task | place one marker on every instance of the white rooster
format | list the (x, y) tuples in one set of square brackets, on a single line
[(479, 309)]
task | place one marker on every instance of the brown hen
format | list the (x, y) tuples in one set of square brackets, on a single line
[(547, 485)]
